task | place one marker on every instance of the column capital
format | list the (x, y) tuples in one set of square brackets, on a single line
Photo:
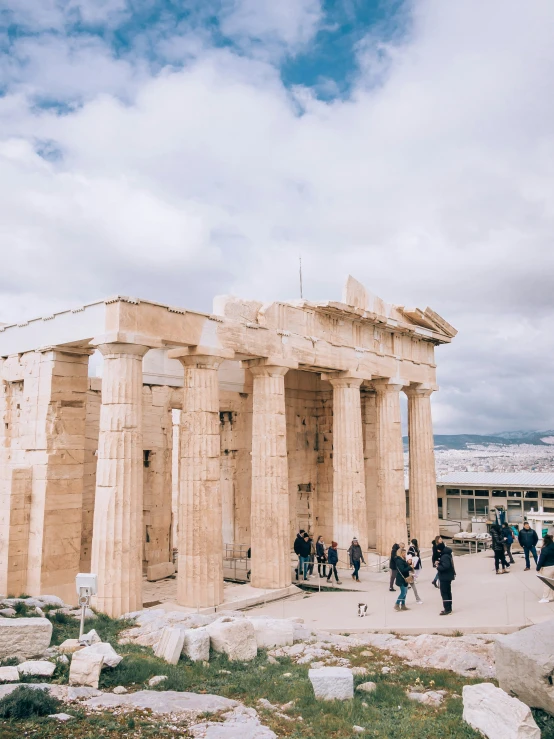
[(116, 348), (208, 357), (269, 366), (74, 350), (384, 385), (348, 378), (420, 390)]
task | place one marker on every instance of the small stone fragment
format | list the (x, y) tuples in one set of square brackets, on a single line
[(9, 675), (156, 680), (368, 687), (69, 646), (358, 729), (359, 670), (120, 690), (63, 717), (90, 638), (332, 683)]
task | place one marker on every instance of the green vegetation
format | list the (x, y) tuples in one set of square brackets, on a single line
[(26, 703)]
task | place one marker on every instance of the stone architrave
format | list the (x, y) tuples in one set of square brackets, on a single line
[(270, 532), (391, 495), (349, 501), (117, 532), (200, 569), (424, 512)]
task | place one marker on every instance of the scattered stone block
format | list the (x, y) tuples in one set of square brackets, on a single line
[(534, 648), (69, 646), (90, 638), (51, 600), (234, 637), (332, 683), (37, 668), (85, 668), (165, 701), (159, 571), (358, 729), (120, 690), (368, 687), (273, 632), (359, 671), (497, 715), (7, 612), (171, 644), (197, 644), (111, 657), (429, 698), (24, 637), (63, 717), (64, 659), (82, 693), (156, 680), (9, 674)]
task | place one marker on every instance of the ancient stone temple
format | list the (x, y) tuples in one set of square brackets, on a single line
[(288, 415)]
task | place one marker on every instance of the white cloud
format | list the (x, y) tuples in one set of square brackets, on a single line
[(434, 187)]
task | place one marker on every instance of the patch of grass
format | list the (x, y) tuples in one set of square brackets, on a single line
[(545, 722), (26, 702)]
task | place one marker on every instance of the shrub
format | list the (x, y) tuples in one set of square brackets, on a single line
[(26, 702)]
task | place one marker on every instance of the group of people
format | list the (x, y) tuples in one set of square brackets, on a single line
[(405, 567), (307, 552)]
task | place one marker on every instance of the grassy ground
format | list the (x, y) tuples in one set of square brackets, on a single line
[(385, 713)]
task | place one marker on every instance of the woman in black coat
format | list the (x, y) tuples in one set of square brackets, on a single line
[(498, 549), (392, 566), (435, 556)]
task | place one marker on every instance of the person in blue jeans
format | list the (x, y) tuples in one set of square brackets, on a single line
[(403, 571), (528, 539), (304, 549), (356, 558)]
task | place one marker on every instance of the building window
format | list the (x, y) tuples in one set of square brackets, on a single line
[(478, 507), (532, 494), (482, 493), (467, 492), (547, 495), (514, 494), (452, 491), (498, 493)]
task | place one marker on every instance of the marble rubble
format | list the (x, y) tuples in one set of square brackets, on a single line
[(209, 433), (496, 715)]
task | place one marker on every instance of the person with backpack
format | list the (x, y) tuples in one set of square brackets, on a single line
[(497, 544), (333, 559), (356, 558), (545, 566), (508, 536), (447, 573), (403, 579), (528, 539), (321, 556)]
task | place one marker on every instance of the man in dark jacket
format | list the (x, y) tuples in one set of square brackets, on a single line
[(447, 573), (528, 539), (545, 566), (305, 547), (356, 558), (497, 544), (508, 536), (297, 544)]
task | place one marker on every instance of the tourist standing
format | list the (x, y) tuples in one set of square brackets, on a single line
[(497, 544), (304, 560), (508, 536), (392, 566), (447, 573), (414, 559), (545, 566), (312, 556), (435, 556), (528, 539), (403, 578), (321, 557), (356, 558), (333, 559), (298, 543)]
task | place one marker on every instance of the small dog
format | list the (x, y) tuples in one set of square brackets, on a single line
[(362, 609)]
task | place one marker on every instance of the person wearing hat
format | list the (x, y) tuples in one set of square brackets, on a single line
[(356, 558), (332, 559)]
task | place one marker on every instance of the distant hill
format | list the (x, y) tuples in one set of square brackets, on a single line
[(505, 438)]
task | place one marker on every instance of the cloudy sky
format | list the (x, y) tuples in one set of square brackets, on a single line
[(178, 149)]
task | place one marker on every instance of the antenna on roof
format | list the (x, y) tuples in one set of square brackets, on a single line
[(300, 263)]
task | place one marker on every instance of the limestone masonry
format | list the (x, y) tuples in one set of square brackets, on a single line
[(288, 416)]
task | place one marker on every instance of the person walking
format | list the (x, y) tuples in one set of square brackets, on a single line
[(414, 559), (508, 536), (545, 566), (298, 544), (312, 556), (447, 573), (321, 556), (403, 579), (528, 539), (435, 556), (392, 567), (332, 559), (497, 544), (356, 558), (304, 559)]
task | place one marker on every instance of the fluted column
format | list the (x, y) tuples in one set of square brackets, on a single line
[(200, 538), (391, 496), (117, 530), (349, 501), (424, 514), (269, 517)]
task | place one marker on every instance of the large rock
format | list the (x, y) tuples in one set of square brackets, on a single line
[(69, 646), (169, 701), (273, 632), (171, 644), (160, 571), (197, 644), (9, 674), (85, 668), (240, 723), (332, 683), (496, 715), (37, 668), (24, 637), (525, 665), (111, 657), (234, 637)]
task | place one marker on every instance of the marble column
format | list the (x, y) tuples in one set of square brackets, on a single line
[(424, 514), (269, 517), (349, 501), (391, 495), (369, 425), (200, 539), (117, 529)]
